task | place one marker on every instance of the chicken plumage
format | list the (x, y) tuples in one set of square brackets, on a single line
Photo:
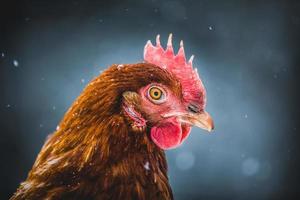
[(110, 143)]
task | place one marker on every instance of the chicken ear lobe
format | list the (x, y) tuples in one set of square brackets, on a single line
[(131, 98), (131, 102)]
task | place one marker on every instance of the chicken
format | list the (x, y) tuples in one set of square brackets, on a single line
[(110, 144)]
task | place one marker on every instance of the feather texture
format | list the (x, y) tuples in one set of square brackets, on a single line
[(95, 153)]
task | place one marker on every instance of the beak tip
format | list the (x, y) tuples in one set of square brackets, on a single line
[(212, 127)]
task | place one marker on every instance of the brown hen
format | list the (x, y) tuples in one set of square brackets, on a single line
[(110, 143)]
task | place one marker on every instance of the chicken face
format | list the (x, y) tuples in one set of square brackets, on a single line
[(169, 112), (164, 111), (175, 114)]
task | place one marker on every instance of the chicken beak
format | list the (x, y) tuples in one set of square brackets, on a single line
[(202, 120)]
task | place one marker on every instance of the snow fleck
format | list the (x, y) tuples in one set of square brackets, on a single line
[(27, 19), (250, 166), (41, 125), (75, 114), (26, 185), (164, 67), (47, 165), (284, 69), (42, 79), (275, 76), (155, 10), (53, 161), (126, 9), (100, 20), (146, 166), (185, 160), (210, 28), (2, 55), (246, 116), (57, 128), (119, 67), (15, 63), (8, 106), (82, 80), (53, 107)]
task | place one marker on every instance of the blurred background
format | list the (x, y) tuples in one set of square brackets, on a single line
[(246, 54)]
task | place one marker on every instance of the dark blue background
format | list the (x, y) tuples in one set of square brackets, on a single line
[(246, 54)]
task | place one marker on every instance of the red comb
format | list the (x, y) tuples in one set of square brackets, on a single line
[(193, 89)]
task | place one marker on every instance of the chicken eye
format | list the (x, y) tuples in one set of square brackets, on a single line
[(156, 94)]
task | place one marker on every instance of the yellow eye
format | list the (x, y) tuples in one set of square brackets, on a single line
[(156, 94)]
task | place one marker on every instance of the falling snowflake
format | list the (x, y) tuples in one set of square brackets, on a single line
[(284, 69), (120, 67), (146, 166), (2, 55), (16, 63), (8, 105), (250, 166), (82, 80), (185, 160), (210, 28), (57, 128), (26, 185), (53, 161)]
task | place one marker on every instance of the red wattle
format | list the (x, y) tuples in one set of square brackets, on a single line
[(169, 133)]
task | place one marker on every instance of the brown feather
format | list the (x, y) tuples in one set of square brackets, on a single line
[(96, 153)]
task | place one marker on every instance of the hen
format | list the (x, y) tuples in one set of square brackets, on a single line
[(110, 143)]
